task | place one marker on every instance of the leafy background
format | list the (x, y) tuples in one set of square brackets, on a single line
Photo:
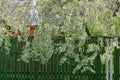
[(67, 19)]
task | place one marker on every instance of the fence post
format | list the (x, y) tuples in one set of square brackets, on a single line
[(116, 64), (98, 68)]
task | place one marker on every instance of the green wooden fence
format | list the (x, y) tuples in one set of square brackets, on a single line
[(13, 69)]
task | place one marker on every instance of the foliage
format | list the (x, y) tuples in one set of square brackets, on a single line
[(41, 48), (68, 19), (4, 37)]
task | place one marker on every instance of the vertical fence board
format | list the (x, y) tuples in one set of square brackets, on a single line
[(116, 65)]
